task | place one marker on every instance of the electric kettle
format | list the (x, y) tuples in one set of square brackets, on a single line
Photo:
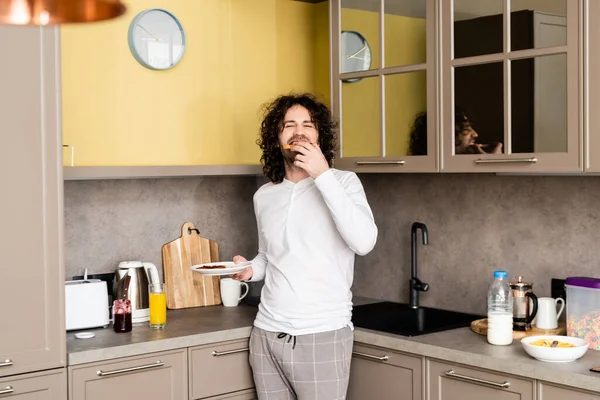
[(135, 288)]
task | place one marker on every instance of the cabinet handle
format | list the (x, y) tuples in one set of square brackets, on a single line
[(7, 390), (399, 162), (452, 374), (72, 153), (224, 353), (530, 160), (370, 357), (132, 369), (6, 363)]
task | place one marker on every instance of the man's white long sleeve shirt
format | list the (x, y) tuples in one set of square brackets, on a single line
[(309, 233)]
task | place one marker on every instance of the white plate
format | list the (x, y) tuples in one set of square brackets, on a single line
[(231, 268), (548, 354)]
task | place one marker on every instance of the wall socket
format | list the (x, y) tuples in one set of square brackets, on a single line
[(557, 289)]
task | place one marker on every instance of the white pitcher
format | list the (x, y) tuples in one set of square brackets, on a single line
[(547, 317)]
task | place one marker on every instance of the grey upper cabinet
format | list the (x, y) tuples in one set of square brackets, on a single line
[(592, 79), (383, 84), (548, 391), (511, 88), (456, 382), (158, 376), (32, 335), (390, 374)]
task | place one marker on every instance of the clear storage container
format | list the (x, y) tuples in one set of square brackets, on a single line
[(583, 309)]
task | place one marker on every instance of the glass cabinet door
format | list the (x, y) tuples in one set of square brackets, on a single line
[(510, 92), (384, 84)]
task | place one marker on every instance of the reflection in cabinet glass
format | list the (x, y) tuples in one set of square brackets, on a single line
[(479, 113), (539, 104), (406, 114), (363, 18), (536, 24), (356, 53), (360, 118), (477, 27), (405, 32), (379, 107)]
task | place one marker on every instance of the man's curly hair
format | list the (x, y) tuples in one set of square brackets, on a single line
[(272, 124)]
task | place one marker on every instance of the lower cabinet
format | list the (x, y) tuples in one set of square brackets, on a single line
[(456, 382), (243, 395), (548, 391), (390, 374), (47, 385), (157, 376), (222, 370)]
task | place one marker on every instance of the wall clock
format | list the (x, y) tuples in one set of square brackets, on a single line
[(156, 39), (355, 53)]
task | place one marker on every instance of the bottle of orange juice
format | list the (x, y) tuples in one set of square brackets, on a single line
[(158, 306)]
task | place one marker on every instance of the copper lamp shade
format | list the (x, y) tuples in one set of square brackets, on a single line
[(52, 12)]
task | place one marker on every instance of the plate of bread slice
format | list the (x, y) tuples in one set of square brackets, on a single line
[(220, 268)]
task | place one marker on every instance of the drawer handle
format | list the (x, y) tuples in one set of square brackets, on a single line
[(6, 363), (7, 390), (452, 374), (132, 369), (530, 160), (399, 162), (370, 357), (224, 353)]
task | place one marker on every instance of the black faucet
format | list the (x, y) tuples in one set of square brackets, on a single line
[(416, 285)]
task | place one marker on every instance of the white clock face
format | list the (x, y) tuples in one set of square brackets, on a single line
[(355, 52), (156, 39)]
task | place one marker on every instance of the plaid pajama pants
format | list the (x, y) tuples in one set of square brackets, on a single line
[(304, 367)]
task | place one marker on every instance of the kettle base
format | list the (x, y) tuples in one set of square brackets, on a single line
[(141, 315)]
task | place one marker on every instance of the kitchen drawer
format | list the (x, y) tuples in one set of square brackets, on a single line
[(157, 376), (548, 391), (219, 368), (243, 395), (385, 372), (47, 385), (456, 382)]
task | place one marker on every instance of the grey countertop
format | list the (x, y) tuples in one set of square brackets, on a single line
[(205, 325)]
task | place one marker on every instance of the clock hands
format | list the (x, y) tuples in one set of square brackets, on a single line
[(150, 33), (354, 55)]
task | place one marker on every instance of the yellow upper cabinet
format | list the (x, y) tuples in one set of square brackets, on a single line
[(384, 84), (204, 111)]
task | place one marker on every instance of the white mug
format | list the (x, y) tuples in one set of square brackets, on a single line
[(547, 318), (231, 291)]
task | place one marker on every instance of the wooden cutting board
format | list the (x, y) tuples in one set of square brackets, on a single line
[(186, 288), (480, 327)]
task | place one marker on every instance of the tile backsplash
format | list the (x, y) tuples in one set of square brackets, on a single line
[(110, 221), (537, 227)]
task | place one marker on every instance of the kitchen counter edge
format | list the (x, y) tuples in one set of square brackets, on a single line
[(461, 346)]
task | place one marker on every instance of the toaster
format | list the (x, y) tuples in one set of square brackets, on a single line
[(86, 304)]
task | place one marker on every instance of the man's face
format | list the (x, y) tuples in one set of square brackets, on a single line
[(467, 138), (297, 127)]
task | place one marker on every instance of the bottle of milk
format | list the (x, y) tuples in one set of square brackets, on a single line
[(500, 310)]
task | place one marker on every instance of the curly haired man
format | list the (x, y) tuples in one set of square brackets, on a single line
[(312, 219)]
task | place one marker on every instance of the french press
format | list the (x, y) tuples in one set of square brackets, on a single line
[(525, 304)]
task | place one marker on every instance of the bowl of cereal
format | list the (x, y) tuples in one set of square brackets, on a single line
[(555, 348)]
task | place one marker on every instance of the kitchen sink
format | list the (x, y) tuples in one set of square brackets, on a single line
[(401, 319)]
